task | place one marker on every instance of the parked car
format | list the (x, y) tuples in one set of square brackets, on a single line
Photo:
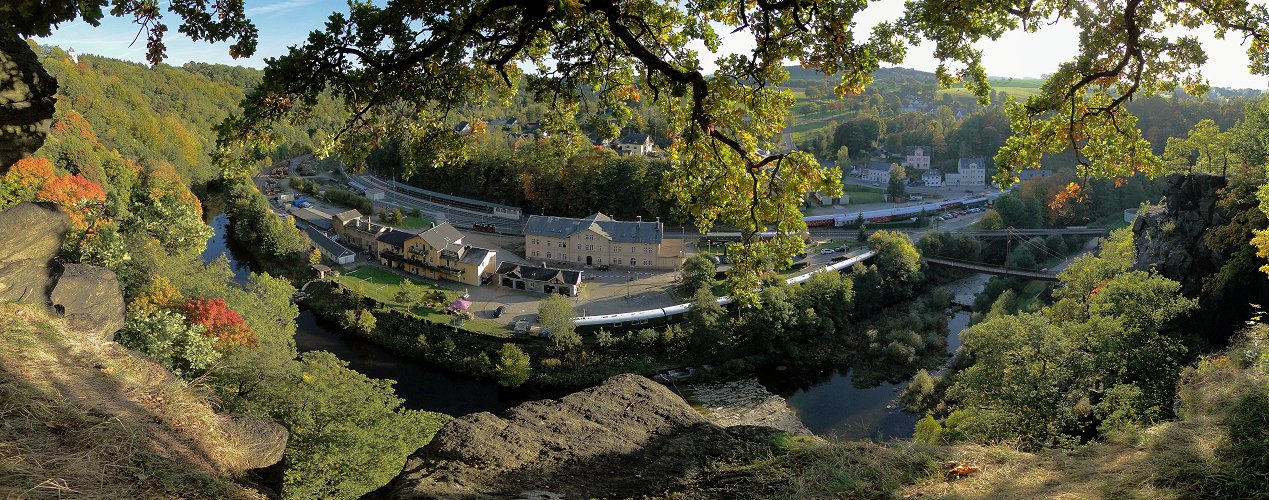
[(826, 251), (843, 248), (497, 313), (602, 267)]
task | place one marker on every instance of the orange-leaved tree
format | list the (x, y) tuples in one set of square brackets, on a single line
[(223, 324), (83, 200)]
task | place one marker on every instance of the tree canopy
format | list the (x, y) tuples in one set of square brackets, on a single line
[(401, 69)]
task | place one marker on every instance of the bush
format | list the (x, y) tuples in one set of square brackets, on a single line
[(513, 366)]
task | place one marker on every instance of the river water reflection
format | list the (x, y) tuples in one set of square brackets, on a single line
[(831, 405)]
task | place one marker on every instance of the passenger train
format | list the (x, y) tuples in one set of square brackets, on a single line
[(897, 213), (661, 316)]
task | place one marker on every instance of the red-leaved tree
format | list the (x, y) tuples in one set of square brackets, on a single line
[(223, 324)]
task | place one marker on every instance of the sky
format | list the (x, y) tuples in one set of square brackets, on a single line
[(283, 23)]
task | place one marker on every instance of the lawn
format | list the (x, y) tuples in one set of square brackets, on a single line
[(859, 194), (412, 222), (382, 285)]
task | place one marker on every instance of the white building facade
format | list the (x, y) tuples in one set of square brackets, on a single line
[(917, 157)]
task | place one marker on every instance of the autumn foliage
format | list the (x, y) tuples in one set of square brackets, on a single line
[(80, 197), (222, 323)]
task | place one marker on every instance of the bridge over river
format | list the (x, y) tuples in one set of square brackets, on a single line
[(990, 269)]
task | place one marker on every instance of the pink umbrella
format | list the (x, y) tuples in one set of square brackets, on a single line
[(461, 305)]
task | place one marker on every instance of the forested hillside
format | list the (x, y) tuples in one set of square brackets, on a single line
[(126, 145)]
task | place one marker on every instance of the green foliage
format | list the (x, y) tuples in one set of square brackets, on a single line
[(358, 320), (1015, 211), (349, 199), (898, 181), (168, 338), (992, 220), (271, 240), (349, 434), (698, 272), (554, 313), (1100, 359), (513, 366)]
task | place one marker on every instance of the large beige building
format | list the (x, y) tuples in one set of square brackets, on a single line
[(438, 253), (599, 240)]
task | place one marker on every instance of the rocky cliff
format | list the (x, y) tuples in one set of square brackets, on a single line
[(1169, 237), (629, 437), (26, 101), (1200, 236), (84, 415)]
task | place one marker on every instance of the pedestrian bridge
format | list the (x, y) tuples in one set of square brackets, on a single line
[(1027, 233), (979, 267)]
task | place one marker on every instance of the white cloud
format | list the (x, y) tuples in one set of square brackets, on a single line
[(278, 7)]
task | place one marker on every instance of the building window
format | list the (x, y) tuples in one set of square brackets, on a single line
[(647, 262), (590, 247), (616, 249), (634, 262), (535, 253), (579, 246), (563, 245), (534, 241), (563, 256), (647, 250), (548, 255)]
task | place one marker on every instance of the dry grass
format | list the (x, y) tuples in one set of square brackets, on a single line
[(1185, 458), (97, 421)]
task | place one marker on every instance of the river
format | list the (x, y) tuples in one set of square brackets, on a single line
[(422, 387), (828, 403)]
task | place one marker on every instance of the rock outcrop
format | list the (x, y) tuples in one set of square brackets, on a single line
[(1169, 238), (32, 234), (26, 101), (628, 437), (89, 298), (91, 303)]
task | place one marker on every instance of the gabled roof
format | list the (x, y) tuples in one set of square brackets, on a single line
[(635, 139), (323, 241), (966, 162), (317, 218), (878, 165), (394, 237), (544, 274), (443, 236), (932, 174), (347, 216), (614, 230), (925, 150), (1033, 173)]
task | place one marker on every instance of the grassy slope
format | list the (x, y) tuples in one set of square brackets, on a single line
[(97, 421), (1192, 457)]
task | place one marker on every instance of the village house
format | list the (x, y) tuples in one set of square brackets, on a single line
[(932, 178), (1033, 173), (635, 144), (438, 253), (917, 157), (600, 240), (971, 172), (539, 279), (878, 172), (327, 245), (356, 230)]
